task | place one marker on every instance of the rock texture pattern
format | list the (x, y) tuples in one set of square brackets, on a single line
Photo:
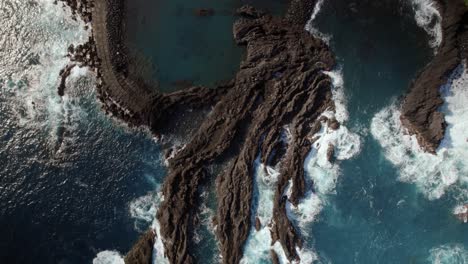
[(280, 85), (420, 114)]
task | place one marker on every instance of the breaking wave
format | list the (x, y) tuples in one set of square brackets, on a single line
[(319, 171), (258, 245), (29, 73), (449, 254), (434, 175), (428, 17), (108, 257)]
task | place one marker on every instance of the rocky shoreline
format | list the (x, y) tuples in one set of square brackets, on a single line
[(420, 109), (280, 84)]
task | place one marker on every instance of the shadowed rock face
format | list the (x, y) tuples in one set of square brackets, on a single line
[(420, 114)]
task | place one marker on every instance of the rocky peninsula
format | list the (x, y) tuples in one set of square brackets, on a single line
[(280, 84)]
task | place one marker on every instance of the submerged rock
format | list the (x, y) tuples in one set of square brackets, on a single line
[(204, 12)]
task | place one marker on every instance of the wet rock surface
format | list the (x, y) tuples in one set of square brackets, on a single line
[(420, 109)]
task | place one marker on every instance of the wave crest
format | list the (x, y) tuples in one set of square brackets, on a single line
[(434, 175)]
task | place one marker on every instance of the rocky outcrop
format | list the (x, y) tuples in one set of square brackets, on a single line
[(142, 251), (279, 84), (420, 109)]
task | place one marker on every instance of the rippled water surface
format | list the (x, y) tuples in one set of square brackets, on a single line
[(67, 173)]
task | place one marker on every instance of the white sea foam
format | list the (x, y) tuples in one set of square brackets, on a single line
[(258, 245), (434, 175), (108, 257), (341, 113), (428, 17), (449, 254), (310, 24), (319, 170), (144, 210), (317, 8), (34, 44)]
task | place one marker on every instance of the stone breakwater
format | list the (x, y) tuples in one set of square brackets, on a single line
[(420, 109), (281, 83)]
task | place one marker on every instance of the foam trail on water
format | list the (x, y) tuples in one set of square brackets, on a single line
[(321, 172), (317, 8), (428, 17), (339, 98), (449, 254), (310, 24), (258, 245), (434, 175), (29, 73), (144, 210)]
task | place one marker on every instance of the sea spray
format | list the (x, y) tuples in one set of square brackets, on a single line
[(320, 171), (338, 93), (434, 175), (258, 245), (143, 210), (449, 254), (428, 17), (32, 71)]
